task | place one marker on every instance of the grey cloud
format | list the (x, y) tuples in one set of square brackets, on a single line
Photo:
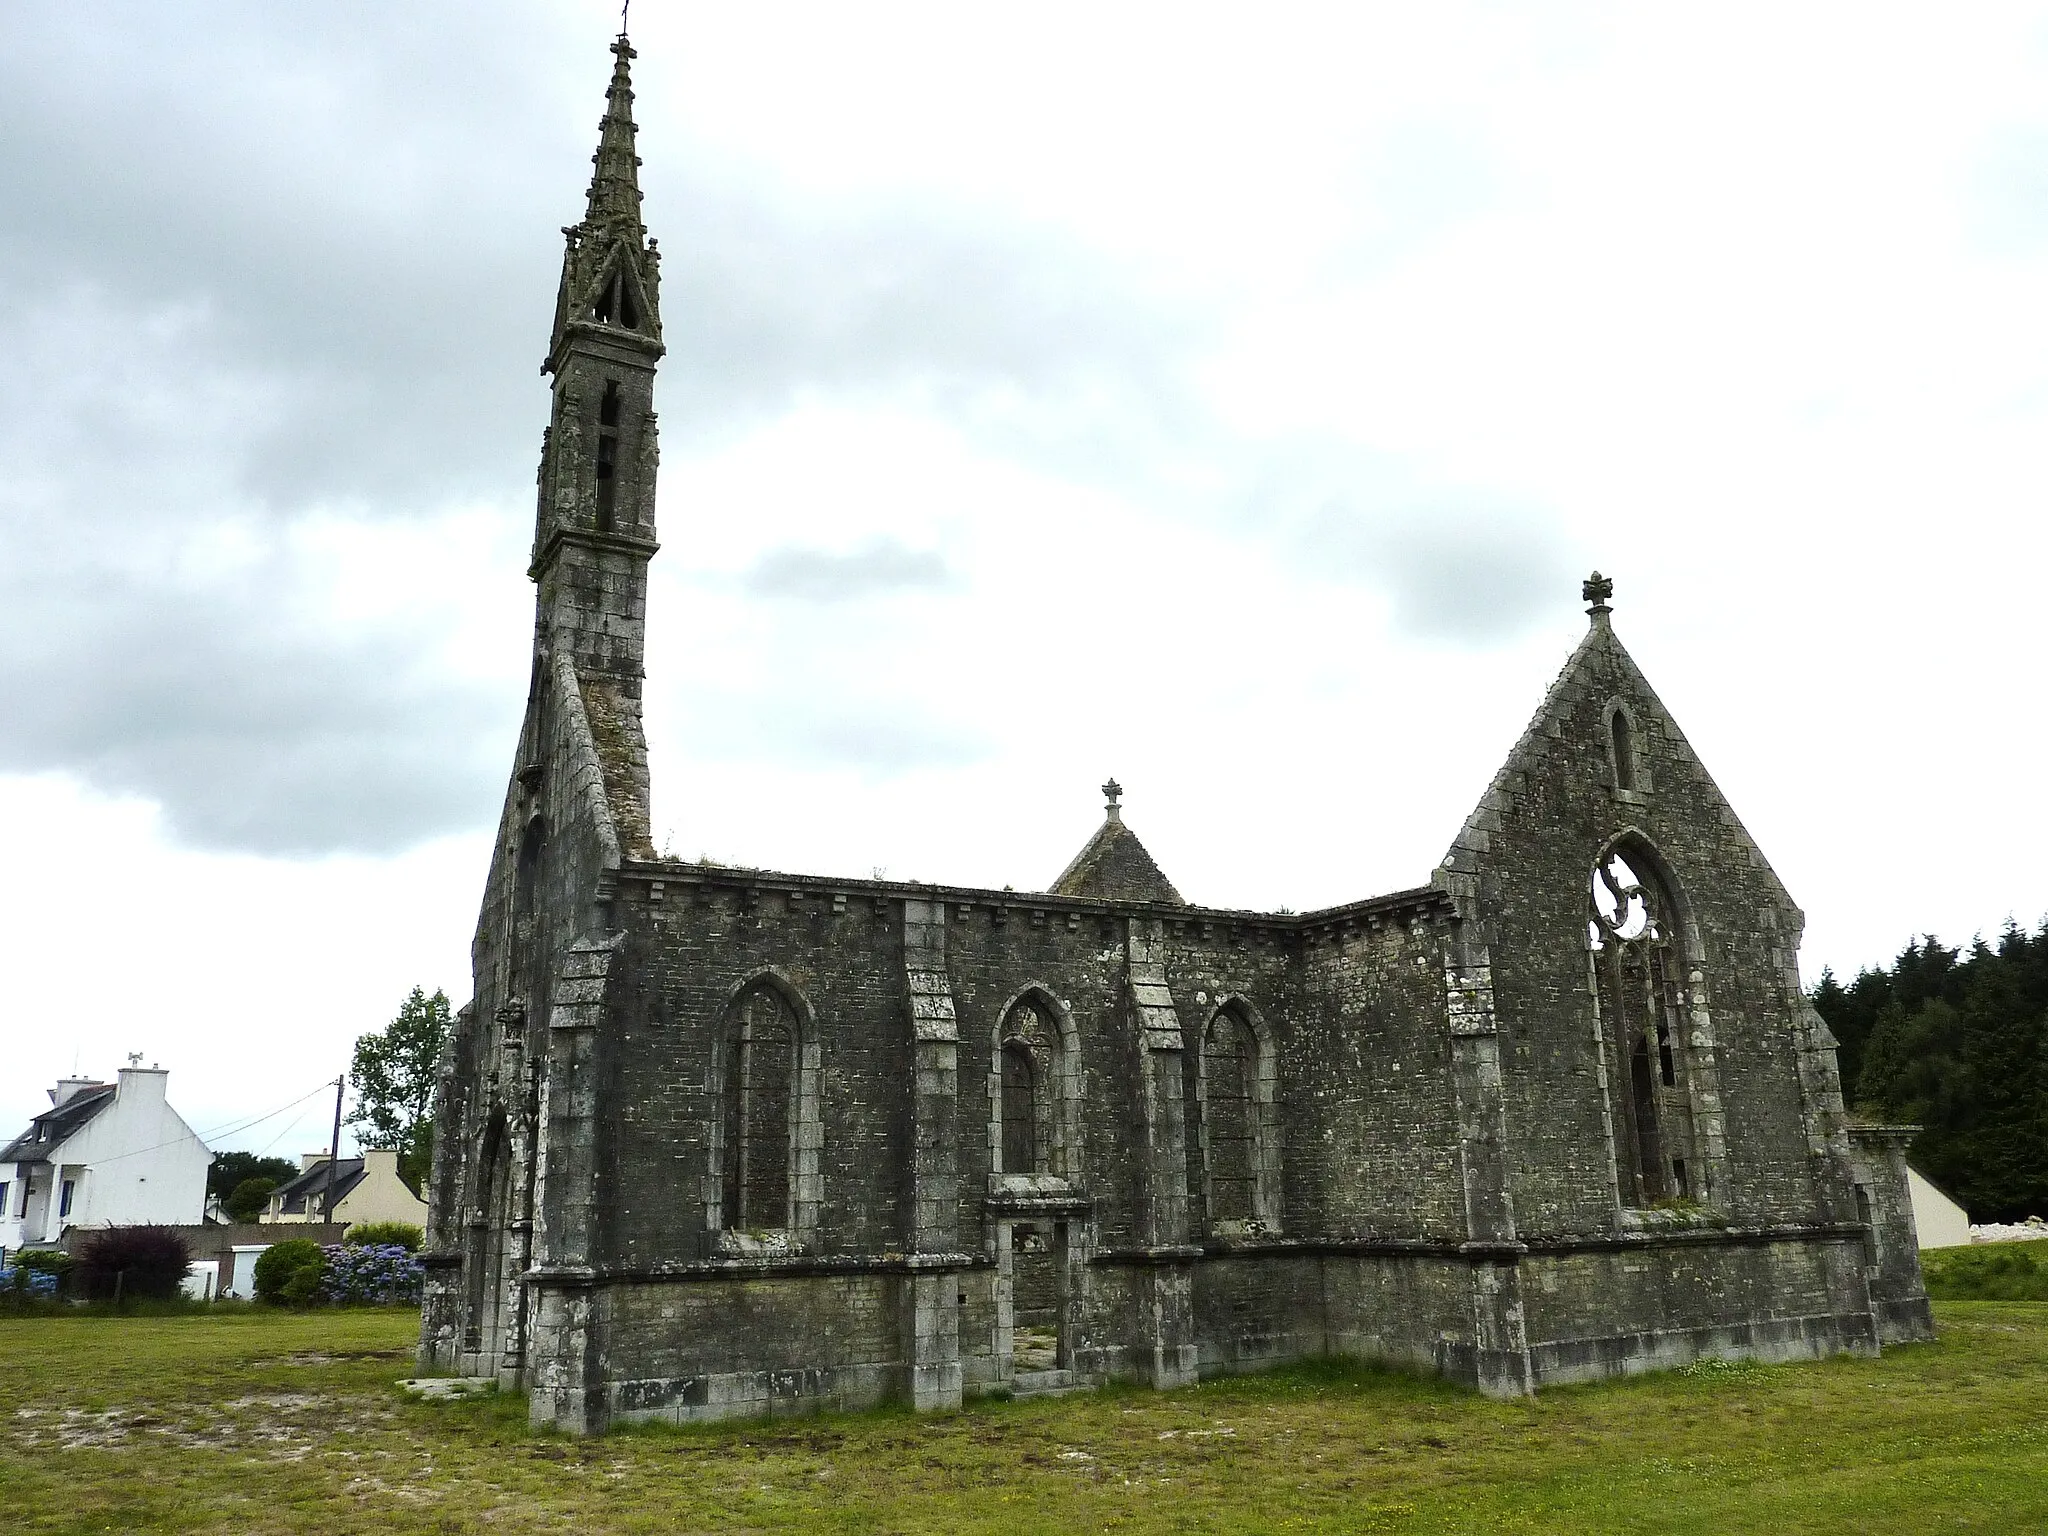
[(883, 742), (876, 735), (821, 576), (1423, 179), (251, 732), (1462, 572), (260, 262), (2008, 211), (279, 263)]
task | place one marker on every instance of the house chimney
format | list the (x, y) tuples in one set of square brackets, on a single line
[(69, 1088), (140, 1082), (312, 1159)]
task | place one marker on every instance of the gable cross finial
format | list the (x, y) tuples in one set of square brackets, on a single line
[(1596, 589), (1112, 792)]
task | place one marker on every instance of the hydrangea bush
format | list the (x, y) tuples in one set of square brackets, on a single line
[(38, 1284), (370, 1274)]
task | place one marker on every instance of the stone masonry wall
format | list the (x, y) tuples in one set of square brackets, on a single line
[(1521, 871)]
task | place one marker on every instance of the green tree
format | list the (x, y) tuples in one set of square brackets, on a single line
[(1956, 1041), (393, 1075), (288, 1273), (249, 1197), (231, 1170)]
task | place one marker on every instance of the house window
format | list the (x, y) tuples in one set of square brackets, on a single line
[(64, 1200), (3, 1197), (760, 1100)]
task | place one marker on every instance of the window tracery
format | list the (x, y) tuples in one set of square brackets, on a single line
[(1637, 966)]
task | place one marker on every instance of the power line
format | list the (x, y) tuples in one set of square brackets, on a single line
[(236, 1130), (231, 1130)]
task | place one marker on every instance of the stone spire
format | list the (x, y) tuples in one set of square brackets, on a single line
[(611, 271), (615, 182), (594, 528)]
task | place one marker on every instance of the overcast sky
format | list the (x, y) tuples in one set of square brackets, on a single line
[(1228, 398)]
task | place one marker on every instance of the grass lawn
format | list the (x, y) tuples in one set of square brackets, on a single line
[(248, 1421)]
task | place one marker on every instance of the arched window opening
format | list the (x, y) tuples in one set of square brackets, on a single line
[(1624, 744), (1020, 1110), (614, 304), (526, 872), (1637, 966), (1229, 1058), (760, 1098), (489, 1212), (607, 454), (1029, 1082)]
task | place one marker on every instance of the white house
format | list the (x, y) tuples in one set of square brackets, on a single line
[(1940, 1222), (102, 1155)]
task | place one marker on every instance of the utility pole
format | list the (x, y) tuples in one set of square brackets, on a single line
[(333, 1152)]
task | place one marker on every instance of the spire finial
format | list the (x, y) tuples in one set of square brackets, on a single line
[(1112, 792), (1596, 589), (615, 181)]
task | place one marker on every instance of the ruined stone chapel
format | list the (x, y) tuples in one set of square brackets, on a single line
[(719, 1141)]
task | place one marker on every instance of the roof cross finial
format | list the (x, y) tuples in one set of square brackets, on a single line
[(1596, 589), (1112, 792)]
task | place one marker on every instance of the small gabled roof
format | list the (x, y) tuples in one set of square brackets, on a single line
[(55, 1126), (1114, 865), (312, 1184)]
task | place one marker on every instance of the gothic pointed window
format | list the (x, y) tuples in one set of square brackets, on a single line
[(1624, 745), (1233, 1156), (1020, 1109), (1637, 968), (607, 453), (523, 943), (1028, 1088), (614, 304), (1228, 1059), (759, 1110)]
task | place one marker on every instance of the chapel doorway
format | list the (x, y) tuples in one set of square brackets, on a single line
[(1036, 1289)]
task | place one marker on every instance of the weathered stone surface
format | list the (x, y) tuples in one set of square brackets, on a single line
[(718, 1141)]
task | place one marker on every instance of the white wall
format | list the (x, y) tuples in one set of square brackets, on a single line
[(1940, 1221), (137, 1161)]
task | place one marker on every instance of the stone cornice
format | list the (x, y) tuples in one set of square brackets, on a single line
[(588, 538), (655, 879)]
